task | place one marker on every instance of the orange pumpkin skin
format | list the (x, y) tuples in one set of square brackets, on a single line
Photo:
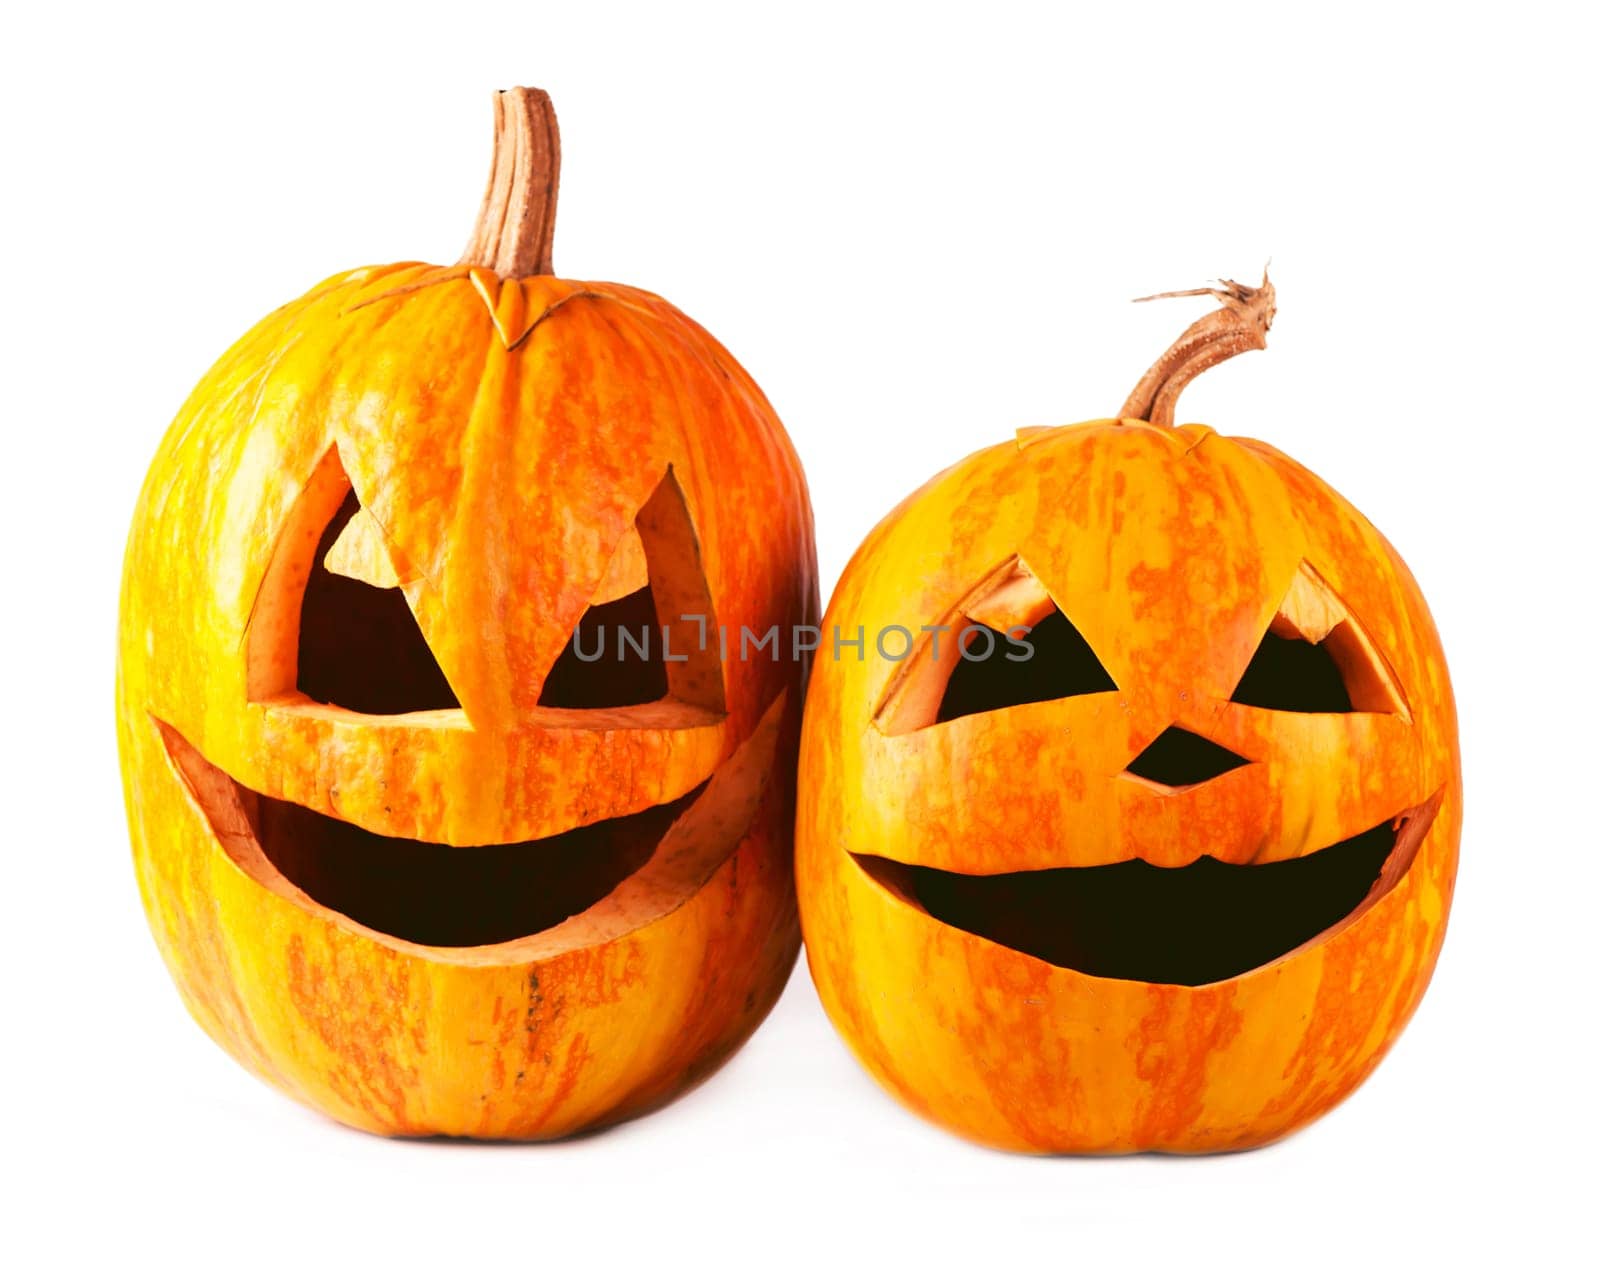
[(504, 433), (1170, 550)]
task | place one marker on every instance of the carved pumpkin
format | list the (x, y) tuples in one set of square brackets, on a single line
[(411, 853), (1162, 859)]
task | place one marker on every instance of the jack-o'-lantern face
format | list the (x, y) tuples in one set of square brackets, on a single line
[(1162, 858), (334, 647), (1203, 860), (449, 812)]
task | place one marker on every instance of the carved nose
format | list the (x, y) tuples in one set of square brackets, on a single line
[(1177, 758)]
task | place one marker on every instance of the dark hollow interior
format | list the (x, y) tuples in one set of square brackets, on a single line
[(360, 647), (622, 642), (434, 894), (1062, 664), (1204, 922), (1177, 757), (1292, 674)]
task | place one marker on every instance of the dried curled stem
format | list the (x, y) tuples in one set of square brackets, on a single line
[(517, 222), (1240, 325)]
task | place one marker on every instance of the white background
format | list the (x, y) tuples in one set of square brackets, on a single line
[(919, 231)]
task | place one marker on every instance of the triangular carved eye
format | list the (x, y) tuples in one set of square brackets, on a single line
[(1006, 643), (1050, 662), (650, 631), (360, 646), (331, 619), (1292, 674), (613, 658), (1315, 658)]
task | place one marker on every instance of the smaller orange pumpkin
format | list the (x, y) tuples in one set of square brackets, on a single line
[(1150, 840)]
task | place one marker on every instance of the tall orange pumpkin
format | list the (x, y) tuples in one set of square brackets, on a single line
[(1133, 822), (411, 853)]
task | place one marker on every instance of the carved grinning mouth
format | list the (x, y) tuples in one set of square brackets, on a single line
[(436, 894), (595, 880), (1198, 924)]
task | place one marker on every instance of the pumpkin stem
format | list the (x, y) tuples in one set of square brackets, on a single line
[(1240, 325), (517, 223)]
